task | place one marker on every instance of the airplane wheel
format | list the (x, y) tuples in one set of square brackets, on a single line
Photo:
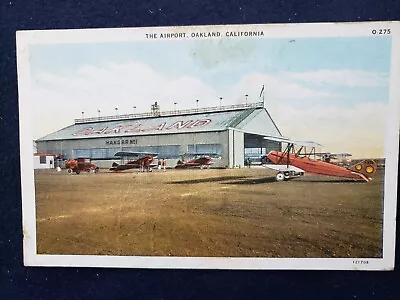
[(280, 177), (87, 170), (77, 171), (69, 171)]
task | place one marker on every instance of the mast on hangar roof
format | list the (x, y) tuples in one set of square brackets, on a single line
[(155, 109)]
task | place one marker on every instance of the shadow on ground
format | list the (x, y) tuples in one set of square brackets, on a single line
[(308, 180), (253, 181), (211, 179), (316, 180)]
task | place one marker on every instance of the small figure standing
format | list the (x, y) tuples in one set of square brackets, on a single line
[(164, 164), (147, 165), (159, 165)]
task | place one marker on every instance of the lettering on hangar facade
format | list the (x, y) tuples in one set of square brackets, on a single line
[(138, 128)]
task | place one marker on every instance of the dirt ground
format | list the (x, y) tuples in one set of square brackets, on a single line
[(237, 213)]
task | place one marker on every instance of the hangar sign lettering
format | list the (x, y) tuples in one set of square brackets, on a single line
[(121, 142), (138, 128)]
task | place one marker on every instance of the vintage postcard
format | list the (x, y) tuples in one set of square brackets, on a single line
[(214, 147)]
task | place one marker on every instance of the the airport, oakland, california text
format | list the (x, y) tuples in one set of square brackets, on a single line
[(211, 34)]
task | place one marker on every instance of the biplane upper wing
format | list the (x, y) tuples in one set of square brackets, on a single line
[(332, 155), (210, 154), (131, 154), (290, 141)]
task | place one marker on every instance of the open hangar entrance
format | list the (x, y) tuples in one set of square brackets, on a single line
[(246, 146), (256, 146)]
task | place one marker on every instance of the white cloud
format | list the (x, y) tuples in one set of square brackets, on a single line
[(52, 111), (358, 130), (61, 98), (277, 88), (351, 78), (136, 84)]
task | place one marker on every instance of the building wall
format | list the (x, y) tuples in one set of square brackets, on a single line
[(43, 162), (233, 146), (259, 122), (177, 143)]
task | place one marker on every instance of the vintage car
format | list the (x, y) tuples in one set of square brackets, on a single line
[(82, 164)]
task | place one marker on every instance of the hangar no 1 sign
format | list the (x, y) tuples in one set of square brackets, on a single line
[(121, 142), (138, 128)]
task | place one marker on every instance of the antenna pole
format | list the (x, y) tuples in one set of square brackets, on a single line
[(263, 97), (262, 93)]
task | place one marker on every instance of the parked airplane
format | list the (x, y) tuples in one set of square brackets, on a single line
[(291, 163), (331, 157), (200, 160), (144, 161)]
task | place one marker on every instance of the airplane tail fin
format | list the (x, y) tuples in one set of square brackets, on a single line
[(366, 168)]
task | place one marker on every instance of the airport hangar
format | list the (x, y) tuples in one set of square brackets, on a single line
[(234, 133)]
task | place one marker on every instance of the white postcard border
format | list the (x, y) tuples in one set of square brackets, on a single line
[(31, 258)]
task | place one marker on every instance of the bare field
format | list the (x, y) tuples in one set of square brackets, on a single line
[(237, 213)]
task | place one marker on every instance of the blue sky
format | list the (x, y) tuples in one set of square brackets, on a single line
[(301, 75), (222, 62)]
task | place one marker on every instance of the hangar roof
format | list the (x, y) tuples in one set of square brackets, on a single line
[(201, 122)]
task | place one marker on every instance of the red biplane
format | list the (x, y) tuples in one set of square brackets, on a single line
[(144, 161), (200, 160), (291, 164)]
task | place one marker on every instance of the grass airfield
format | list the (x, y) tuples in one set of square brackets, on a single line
[(205, 213)]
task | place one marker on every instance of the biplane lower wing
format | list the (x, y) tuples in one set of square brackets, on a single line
[(123, 167), (284, 168), (285, 172), (185, 165), (143, 162), (195, 163)]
